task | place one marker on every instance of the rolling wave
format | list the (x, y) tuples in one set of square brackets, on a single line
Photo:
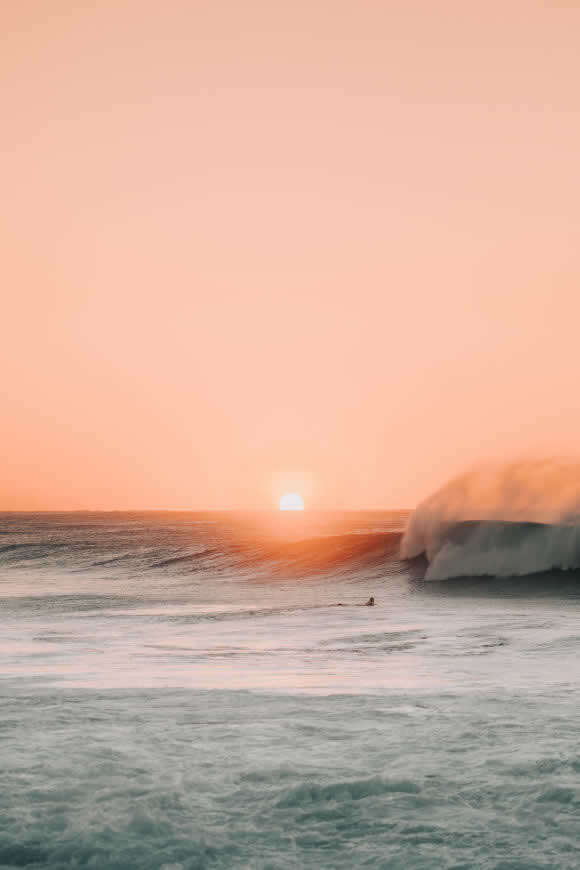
[(181, 550), (315, 555), (502, 549), (500, 522)]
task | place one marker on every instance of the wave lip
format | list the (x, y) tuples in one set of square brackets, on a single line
[(495, 549), (500, 521)]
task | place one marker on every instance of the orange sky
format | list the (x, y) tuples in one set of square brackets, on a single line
[(253, 247)]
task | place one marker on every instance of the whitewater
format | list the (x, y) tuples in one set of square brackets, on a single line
[(180, 691)]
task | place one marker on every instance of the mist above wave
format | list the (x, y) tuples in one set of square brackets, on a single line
[(504, 521)]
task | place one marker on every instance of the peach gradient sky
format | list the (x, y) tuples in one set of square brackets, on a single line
[(250, 247)]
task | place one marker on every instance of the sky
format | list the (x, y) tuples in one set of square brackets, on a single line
[(256, 247)]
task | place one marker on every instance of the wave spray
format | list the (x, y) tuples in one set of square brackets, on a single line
[(495, 520)]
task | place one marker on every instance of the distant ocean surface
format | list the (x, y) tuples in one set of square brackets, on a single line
[(179, 691)]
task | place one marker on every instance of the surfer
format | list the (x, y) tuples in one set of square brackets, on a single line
[(369, 603)]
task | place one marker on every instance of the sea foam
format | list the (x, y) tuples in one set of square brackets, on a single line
[(500, 521)]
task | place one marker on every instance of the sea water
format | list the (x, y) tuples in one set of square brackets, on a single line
[(181, 691)]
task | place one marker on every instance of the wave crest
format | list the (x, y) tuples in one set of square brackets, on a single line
[(501, 522)]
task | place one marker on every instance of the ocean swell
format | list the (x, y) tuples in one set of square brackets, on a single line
[(142, 545)]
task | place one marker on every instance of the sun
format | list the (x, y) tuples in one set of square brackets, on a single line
[(291, 501)]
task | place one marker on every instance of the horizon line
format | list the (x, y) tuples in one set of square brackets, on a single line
[(198, 510)]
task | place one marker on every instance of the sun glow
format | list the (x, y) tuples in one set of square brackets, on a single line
[(292, 501)]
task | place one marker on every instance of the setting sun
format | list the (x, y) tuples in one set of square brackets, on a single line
[(292, 501)]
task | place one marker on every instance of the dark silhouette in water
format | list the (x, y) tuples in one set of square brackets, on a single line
[(369, 603)]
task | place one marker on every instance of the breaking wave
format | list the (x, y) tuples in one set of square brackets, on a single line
[(498, 549), (500, 522)]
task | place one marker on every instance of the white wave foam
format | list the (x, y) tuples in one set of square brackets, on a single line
[(516, 520)]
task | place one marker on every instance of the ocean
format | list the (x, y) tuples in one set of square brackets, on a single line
[(181, 691)]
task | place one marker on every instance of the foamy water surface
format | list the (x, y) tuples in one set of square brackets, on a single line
[(181, 691)]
